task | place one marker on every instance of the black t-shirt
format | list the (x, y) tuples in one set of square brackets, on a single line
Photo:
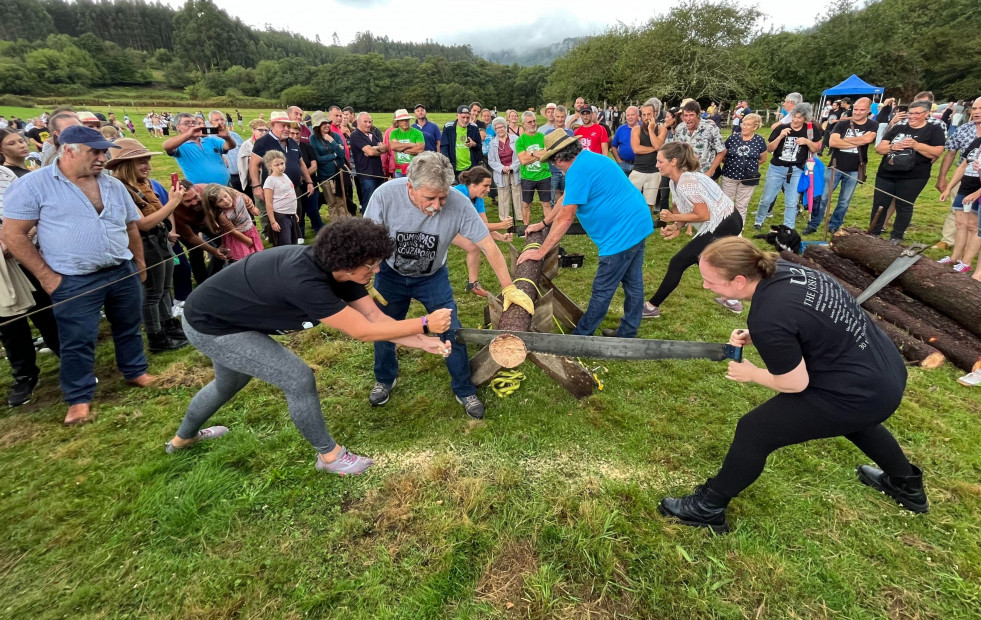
[(853, 367), (929, 133), (38, 134), (363, 163), (788, 152), (849, 159), (307, 153), (17, 170), (270, 142), (271, 292), (970, 182)]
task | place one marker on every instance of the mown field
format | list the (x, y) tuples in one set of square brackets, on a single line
[(545, 509)]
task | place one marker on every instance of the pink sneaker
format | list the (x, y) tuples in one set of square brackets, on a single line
[(946, 260), (962, 267), (732, 305)]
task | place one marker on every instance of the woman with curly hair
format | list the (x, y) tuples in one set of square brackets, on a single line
[(231, 316)]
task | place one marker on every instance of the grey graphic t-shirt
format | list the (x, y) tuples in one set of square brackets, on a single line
[(421, 241)]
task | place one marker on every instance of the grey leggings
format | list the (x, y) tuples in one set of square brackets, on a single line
[(239, 357)]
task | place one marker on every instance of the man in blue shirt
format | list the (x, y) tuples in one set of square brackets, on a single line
[(86, 227), (429, 130), (620, 144), (199, 155), (616, 218)]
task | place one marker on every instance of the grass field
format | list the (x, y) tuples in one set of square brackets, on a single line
[(546, 509)]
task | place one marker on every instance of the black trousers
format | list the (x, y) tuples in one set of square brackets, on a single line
[(906, 191), (203, 270), (788, 419), (17, 339), (688, 255), (663, 202)]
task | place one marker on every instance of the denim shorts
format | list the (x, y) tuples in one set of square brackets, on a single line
[(957, 206)]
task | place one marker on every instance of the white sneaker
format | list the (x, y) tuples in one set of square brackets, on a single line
[(962, 267), (946, 260)]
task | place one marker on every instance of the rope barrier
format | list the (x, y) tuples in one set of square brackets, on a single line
[(318, 186), (147, 267)]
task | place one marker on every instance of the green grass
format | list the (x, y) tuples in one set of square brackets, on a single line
[(547, 509)]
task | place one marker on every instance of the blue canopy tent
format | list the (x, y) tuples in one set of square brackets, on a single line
[(854, 85)]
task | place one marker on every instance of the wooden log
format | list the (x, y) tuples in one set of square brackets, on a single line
[(961, 347), (924, 353), (528, 277), (913, 350), (951, 293), (566, 372), (483, 367), (507, 350), (515, 318)]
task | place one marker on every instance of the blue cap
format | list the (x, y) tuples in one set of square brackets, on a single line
[(79, 134)]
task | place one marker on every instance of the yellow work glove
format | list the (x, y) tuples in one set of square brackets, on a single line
[(514, 295), (374, 294)]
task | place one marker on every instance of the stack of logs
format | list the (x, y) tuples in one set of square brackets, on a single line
[(930, 312)]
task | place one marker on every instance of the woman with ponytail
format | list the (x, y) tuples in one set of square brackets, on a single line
[(836, 374), (698, 201), (475, 184)]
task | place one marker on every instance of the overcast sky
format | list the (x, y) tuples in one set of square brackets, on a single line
[(506, 24)]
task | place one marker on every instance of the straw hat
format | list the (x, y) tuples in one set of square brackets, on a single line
[(128, 149), (555, 141), (280, 116)]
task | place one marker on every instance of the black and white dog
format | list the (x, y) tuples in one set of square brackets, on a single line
[(782, 238)]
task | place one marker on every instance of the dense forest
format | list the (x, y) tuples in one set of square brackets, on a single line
[(717, 51), (701, 48)]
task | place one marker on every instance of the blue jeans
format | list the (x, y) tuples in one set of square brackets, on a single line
[(626, 166), (849, 181), (433, 292), (625, 267), (558, 182), (78, 327), (776, 177), (368, 187)]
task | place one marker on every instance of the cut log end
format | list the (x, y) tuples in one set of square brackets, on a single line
[(508, 350), (934, 360)]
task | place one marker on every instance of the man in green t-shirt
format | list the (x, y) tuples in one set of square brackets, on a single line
[(461, 142), (405, 142), (534, 174)]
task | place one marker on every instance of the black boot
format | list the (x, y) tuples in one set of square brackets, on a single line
[(160, 342), (703, 508), (906, 490), (173, 329)]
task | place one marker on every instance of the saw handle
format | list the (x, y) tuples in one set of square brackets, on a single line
[(733, 353)]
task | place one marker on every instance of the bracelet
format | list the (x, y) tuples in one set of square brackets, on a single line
[(425, 325)]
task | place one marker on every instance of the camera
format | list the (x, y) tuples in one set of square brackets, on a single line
[(210, 131), (659, 223)]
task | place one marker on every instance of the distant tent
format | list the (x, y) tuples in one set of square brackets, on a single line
[(854, 85)]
